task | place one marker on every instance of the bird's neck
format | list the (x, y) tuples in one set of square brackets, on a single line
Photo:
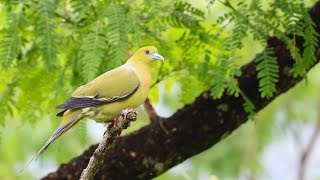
[(140, 66), (143, 71)]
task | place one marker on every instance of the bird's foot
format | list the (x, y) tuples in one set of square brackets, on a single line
[(110, 125), (115, 122)]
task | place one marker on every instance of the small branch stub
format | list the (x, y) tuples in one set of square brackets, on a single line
[(107, 142), (150, 110)]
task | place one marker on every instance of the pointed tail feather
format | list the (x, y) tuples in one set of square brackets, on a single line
[(57, 133)]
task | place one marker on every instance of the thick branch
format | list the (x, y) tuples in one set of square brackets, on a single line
[(192, 129)]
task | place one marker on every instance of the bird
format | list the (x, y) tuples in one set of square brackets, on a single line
[(104, 98)]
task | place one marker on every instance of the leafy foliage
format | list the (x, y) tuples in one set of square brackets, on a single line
[(93, 49), (11, 40), (80, 9), (116, 33), (46, 32), (248, 106), (184, 15), (240, 26), (311, 42), (96, 36), (50, 47), (219, 80), (298, 23), (265, 21), (224, 78), (7, 102)]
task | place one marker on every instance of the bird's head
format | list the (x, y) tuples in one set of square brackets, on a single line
[(146, 55)]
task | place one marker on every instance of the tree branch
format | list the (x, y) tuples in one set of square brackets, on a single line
[(107, 142), (306, 152), (192, 129), (150, 110)]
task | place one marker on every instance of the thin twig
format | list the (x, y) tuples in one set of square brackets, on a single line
[(228, 4), (107, 143), (308, 150), (153, 116)]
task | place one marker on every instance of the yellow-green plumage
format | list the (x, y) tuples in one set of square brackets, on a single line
[(118, 82), (106, 96)]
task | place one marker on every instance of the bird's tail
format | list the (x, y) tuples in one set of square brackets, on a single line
[(70, 118)]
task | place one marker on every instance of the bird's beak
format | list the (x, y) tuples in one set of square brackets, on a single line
[(157, 56)]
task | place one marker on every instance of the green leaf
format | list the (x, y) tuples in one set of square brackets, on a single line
[(79, 9), (7, 99), (46, 32), (248, 106), (232, 87), (116, 34), (185, 15), (204, 67), (93, 51), (240, 26), (310, 44), (219, 79), (11, 40), (268, 72)]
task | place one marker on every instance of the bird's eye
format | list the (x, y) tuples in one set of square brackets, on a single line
[(147, 52)]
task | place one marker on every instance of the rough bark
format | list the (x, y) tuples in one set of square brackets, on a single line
[(192, 129)]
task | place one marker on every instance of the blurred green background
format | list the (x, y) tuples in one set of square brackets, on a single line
[(45, 51)]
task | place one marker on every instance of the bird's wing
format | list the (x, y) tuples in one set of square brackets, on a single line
[(115, 85)]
